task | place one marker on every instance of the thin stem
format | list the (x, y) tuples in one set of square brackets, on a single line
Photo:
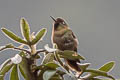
[(21, 49), (3, 48), (16, 48), (60, 62), (39, 51)]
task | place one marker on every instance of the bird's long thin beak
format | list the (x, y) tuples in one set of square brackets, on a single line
[(53, 18)]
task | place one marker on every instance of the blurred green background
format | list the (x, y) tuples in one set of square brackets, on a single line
[(96, 24)]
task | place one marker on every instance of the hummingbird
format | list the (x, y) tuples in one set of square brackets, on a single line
[(65, 39)]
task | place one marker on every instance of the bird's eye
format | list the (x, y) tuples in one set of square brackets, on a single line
[(63, 23)]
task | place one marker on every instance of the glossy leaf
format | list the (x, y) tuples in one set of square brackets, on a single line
[(13, 36), (52, 65), (48, 74), (4, 64), (25, 69), (61, 63), (40, 75), (6, 47), (41, 67), (58, 59), (39, 36), (60, 72), (49, 65), (37, 57), (9, 46), (98, 79), (22, 54), (107, 67), (83, 66), (1, 77), (25, 29), (70, 55), (23, 66), (48, 58), (55, 77), (5, 67), (22, 72), (95, 79), (98, 73), (14, 73)]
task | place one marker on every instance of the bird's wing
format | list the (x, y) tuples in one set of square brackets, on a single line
[(75, 38), (70, 39), (70, 34)]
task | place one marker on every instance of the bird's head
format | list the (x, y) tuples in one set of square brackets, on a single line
[(59, 23)]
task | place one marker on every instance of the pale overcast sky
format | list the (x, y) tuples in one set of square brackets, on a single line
[(96, 24)]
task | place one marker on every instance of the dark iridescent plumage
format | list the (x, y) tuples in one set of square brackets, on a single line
[(65, 40)]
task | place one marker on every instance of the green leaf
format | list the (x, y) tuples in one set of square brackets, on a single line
[(49, 65), (58, 59), (37, 57), (13, 36), (1, 77), (41, 67), (98, 73), (4, 64), (22, 54), (84, 66), (55, 77), (22, 72), (52, 65), (40, 75), (60, 72), (48, 74), (5, 67), (24, 68), (25, 29), (107, 67), (39, 36), (70, 55), (6, 47), (9, 46), (14, 73), (48, 58), (61, 63), (95, 79), (44, 68), (98, 79)]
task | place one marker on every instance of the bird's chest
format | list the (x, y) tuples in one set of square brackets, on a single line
[(64, 42)]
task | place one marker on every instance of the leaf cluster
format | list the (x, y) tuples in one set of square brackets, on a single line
[(52, 66)]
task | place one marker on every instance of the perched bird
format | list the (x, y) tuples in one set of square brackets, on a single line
[(65, 39)]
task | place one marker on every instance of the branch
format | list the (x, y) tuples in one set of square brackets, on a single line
[(39, 51), (21, 49), (3, 48), (16, 48)]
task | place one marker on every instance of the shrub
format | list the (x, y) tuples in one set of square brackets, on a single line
[(51, 67)]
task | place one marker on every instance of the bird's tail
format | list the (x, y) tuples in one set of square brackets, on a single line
[(72, 64)]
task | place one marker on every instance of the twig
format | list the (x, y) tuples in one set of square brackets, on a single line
[(3, 48), (16, 48), (39, 51), (21, 49)]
